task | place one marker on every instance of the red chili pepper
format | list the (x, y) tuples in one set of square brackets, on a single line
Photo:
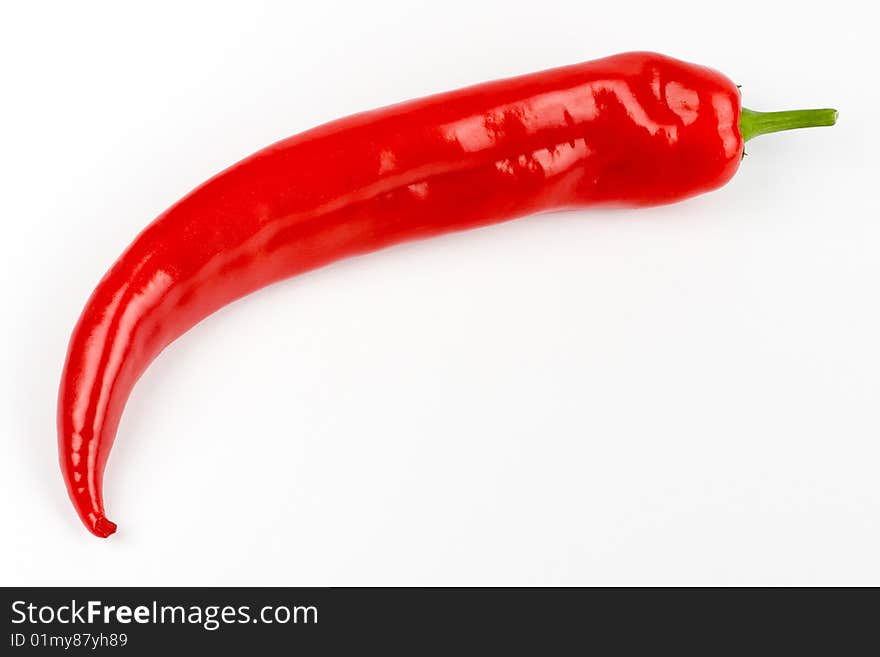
[(634, 129)]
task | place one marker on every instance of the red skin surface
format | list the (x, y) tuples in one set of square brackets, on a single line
[(635, 129)]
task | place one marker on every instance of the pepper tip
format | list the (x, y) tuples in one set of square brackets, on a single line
[(103, 527)]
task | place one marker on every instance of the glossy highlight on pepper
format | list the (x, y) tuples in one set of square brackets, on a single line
[(635, 129)]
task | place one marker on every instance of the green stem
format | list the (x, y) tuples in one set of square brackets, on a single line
[(753, 123)]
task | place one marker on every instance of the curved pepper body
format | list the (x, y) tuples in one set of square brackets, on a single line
[(633, 129)]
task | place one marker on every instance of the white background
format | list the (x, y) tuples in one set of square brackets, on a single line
[(681, 395)]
